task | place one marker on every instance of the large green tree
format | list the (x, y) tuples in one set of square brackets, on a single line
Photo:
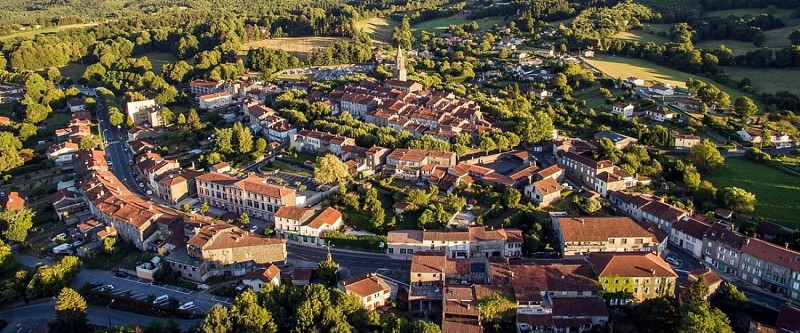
[(738, 200), (706, 157), (216, 320), (10, 147), (329, 169), (70, 312), (16, 223)]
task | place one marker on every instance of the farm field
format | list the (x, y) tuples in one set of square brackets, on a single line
[(622, 67), (777, 193), (159, 59), (73, 71), (33, 32), (440, 25), (296, 46), (646, 34), (769, 80), (378, 28), (775, 39)]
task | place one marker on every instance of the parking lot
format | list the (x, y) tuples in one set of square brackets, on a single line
[(292, 179)]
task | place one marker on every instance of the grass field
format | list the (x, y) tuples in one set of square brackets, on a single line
[(296, 46), (777, 193), (159, 59), (73, 70), (646, 34), (440, 25), (769, 80), (33, 32), (621, 67), (775, 39), (378, 28)]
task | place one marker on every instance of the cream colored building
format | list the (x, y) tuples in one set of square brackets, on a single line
[(251, 195), (304, 225), (580, 235), (633, 276)]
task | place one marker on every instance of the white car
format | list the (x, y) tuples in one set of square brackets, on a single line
[(674, 261), (186, 306), (254, 229), (469, 207)]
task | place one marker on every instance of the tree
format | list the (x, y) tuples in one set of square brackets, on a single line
[(260, 146), (194, 121), (706, 193), (703, 318), (512, 197), (691, 178), (36, 113), (186, 208), (696, 294), (496, 308), (738, 200), (109, 243), (745, 107), (15, 223), (656, 315), (167, 116), (10, 157), (181, 119), (53, 74), (223, 140), (329, 170), (216, 320), (89, 142), (247, 315), (244, 138), (204, 207), (244, 218), (327, 269), (115, 116), (401, 36), (591, 205), (706, 157), (730, 300), (794, 37), (26, 131), (70, 312)]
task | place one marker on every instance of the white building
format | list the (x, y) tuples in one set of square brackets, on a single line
[(304, 225), (624, 109), (216, 100)]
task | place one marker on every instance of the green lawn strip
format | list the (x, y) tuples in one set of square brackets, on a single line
[(777, 192)]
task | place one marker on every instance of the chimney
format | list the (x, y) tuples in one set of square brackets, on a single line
[(747, 240), (786, 246), (653, 271)]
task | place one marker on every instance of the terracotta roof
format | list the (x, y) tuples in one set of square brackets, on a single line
[(263, 274), (547, 186), (302, 274), (707, 274), (594, 229), (586, 161), (215, 95), (459, 325), (328, 217), (691, 227), (222, 236), (529, 281), (404, 236), (294, 213), (258, 185), (365, 284), (664, 211), (218, 178), (787, 318), (428, 262), (773, 253), (548, 171), (12, 200), (630, 264)]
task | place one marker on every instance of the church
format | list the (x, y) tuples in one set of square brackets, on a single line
[(399, 81)]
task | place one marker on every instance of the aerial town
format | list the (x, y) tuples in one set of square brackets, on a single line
[(400, 166)]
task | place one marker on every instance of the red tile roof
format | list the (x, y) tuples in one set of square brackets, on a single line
[(365, 284), (773, 253), (630, 264), (12, 200), (594, 229)]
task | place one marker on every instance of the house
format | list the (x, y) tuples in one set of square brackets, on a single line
[(773, 268), (261, 277), (406, 163), (221, 249), (371, 290), (5, 121), (660, 114), (580, 235), (687, 233), (69, 205), (623, 109), (634, 81), (62, 153), (459, 311), (722, 248), (662, 89), (76, 104), (633, 276), (600, 176), (320, 142), (557, 297), (251, 195), (588, 54), (11, 201), (756, 136), (540, 94), (712, 281), (205, 87), (145, 113), (406, 86), (474, 242), (683, 141), (545, 53), (620, 141), (216, 100), (304, 225), (301, 276), (543, 192)]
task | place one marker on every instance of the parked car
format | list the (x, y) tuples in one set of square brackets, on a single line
[(254, 229), (674, 261), (121, 274)]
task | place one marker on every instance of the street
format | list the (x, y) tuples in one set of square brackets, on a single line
[(355, 262), (97, 315), (116, 154)]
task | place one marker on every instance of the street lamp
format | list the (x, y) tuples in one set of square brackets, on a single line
[(108, 311)]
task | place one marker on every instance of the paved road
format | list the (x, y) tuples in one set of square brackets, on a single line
[(355, 262), (688, 262), (28, 261), (116, 153), (97, 315)]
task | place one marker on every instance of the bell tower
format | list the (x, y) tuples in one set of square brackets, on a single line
[(400, 65)]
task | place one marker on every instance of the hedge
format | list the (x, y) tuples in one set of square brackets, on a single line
[(366, 242)]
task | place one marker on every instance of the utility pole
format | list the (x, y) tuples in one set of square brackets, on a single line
[(108, 311)]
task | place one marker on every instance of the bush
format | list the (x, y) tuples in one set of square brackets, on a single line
[(368, 242)]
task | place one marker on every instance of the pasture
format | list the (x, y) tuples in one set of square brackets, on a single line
[(47, 30), (378, 28), (777, 192), (768, 80), (440, 25), (623, 67), (296, 46), (159, 59)]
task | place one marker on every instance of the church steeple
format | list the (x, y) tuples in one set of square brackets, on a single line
[(400, 72)]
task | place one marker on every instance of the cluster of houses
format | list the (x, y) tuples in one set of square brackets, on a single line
[(215, 95)]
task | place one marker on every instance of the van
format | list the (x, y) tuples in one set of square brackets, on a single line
[(161, 299)]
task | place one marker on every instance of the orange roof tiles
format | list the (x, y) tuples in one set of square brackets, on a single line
[(630, 264), (593, 229)]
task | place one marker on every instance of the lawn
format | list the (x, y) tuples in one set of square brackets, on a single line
[(622, 67), (777, 192), (378, 28), (769, 80), (296, 46), (33, 32), (159, 59), (776, 39), (73, 71), (641, 37), (440, 25)]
